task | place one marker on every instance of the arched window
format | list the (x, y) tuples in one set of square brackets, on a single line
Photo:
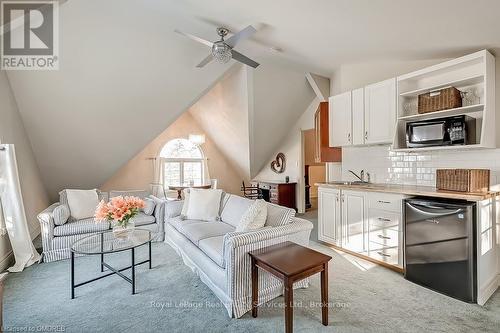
[(182, 163)]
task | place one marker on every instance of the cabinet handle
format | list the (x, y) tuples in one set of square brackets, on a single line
[(349, 137), (383, 219), (384, 202), (383, 254), (366, 135), (383, 237)]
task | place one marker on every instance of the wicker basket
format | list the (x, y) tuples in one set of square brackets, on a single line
[(463, 180), (448, 98)]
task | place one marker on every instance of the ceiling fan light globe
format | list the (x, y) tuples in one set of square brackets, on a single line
[(221, 52)]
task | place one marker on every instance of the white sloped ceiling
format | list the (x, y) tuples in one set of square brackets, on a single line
[(124, 77)]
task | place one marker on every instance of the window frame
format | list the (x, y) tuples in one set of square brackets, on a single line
[(181, 162)]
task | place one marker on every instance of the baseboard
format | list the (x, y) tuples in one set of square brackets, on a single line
[(488, 290)]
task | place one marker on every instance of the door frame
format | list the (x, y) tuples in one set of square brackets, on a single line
[(301, 202)]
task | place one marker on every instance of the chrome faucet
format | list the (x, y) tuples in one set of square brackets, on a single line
[(361, 176)]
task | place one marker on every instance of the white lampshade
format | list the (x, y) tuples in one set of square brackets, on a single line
[(197, 139)]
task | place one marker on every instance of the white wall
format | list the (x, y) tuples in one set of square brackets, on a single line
[(353, 76), (249, 113), (418, 168), (291, 146), (12, 131), (223, 115), (280, 96), (138, 172)]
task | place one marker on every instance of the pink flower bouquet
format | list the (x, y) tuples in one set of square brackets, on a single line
[(119, 209)]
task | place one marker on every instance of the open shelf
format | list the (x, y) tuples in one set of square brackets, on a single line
[(473, 73), (455, 83), (445, 113)]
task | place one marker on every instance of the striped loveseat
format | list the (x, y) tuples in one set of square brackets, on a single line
[(219, 255), (57, 239)]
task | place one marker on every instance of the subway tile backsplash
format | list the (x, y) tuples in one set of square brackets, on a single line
[(415, 168)]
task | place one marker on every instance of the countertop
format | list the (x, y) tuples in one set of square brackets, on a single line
[(428, 191)]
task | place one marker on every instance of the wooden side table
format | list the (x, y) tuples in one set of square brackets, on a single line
[(180, 188), (290, 262)]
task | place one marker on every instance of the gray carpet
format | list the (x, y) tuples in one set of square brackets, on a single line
[(363, 298), (312, 215)]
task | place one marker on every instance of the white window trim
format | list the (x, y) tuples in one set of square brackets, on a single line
[(182, 161)]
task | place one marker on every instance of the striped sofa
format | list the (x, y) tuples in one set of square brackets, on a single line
[(219, 255), (57, 239)]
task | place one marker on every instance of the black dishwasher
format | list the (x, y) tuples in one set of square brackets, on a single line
[(440, 247)]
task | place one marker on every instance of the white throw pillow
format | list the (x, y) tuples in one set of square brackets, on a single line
[(254, 218), (61, 214), (204, 204), (149, 207), (82, 203), (185, 205)]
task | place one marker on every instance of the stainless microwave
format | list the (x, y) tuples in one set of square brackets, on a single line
[(457, 130)]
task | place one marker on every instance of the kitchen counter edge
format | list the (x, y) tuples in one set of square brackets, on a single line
[(416, 190)]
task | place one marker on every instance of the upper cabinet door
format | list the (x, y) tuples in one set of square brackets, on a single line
[(380, 111), (340, 120), (358, 116)]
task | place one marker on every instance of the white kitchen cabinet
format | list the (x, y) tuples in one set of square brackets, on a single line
[(353, 221), (363, 116), (358, 116), (340, 120), (367, 223), (385, 227), (380, 112), (385, 236), (329, 218)]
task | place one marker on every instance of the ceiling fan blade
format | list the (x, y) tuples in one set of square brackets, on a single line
[(205, 61), (193, 37), (244, 59), (239, 36)]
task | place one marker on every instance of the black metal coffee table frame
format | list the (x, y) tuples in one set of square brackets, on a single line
[(112, 269)]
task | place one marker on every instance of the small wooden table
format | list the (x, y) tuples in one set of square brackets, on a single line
[(180, 188), (290, 262)]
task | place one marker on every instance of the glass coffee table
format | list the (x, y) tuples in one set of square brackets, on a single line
[(108, 242)]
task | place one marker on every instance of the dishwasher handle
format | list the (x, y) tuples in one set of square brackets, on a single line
[(436, 210)]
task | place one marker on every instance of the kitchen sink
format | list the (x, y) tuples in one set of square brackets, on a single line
[(349, 183)]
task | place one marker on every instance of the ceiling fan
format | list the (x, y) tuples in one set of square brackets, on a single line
[(223, 50)]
